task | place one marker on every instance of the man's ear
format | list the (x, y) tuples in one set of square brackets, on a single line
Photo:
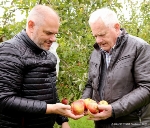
[(31, 25), (117, 26)]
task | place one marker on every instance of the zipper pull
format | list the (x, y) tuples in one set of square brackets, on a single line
[(140, 120)]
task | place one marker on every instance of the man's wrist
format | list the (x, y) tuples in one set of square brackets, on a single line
[(49, 108)]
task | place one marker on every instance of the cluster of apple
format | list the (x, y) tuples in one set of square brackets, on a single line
[(78, 107)]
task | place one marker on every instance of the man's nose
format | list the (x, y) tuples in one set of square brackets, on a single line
[(99, 39), (52, 38)]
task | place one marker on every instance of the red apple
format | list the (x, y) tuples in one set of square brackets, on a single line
[(87, 101), (77, 107), (102, 102), (93, 107), (64, 101), (83, 103)]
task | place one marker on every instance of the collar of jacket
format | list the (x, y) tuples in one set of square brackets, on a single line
[(118, 42), (23, 36)]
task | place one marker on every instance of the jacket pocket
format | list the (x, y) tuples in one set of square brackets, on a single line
[(124, 61)]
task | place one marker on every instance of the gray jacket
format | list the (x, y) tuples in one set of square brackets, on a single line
[(127, 82)]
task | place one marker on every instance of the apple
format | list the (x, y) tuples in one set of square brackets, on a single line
[(83, 103), (87, 101), (64, 101), (77, 107), (102, 102), (93, 107)]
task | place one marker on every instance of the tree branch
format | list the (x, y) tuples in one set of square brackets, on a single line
[(40, 2)]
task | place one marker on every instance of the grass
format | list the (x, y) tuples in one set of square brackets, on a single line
[(80, 123)]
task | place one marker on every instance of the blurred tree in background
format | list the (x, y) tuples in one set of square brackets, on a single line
[(75, 38)]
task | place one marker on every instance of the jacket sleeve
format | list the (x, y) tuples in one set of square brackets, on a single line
[(140, 96), (11, 79), (88, 90), (87, 93)]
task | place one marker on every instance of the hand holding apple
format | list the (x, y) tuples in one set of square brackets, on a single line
[(86, 106), (102, 102), (106, 113), (61, 109)]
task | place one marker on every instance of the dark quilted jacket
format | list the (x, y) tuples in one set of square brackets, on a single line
[(27, 84)]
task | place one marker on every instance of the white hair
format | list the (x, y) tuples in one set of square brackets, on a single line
[(108, 16)]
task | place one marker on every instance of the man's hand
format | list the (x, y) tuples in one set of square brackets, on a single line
[(65, 125), (106, 112), (61, 109)]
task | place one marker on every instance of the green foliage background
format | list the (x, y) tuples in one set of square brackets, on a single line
[(75, 38)]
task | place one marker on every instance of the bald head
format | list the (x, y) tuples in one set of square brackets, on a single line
[(42, 26), (40, 13)]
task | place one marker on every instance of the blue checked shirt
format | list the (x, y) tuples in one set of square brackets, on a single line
[(108, 56)]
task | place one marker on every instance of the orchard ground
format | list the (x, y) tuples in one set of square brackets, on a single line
[(80, 123)]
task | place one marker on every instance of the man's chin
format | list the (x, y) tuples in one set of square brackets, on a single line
[(46, 49), (105, 49)]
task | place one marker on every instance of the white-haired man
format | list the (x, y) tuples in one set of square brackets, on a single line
[(119, 73)]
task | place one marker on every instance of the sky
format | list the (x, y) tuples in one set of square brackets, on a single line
[(18, 14)]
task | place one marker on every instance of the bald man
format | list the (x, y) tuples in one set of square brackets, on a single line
[(28, 95)]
